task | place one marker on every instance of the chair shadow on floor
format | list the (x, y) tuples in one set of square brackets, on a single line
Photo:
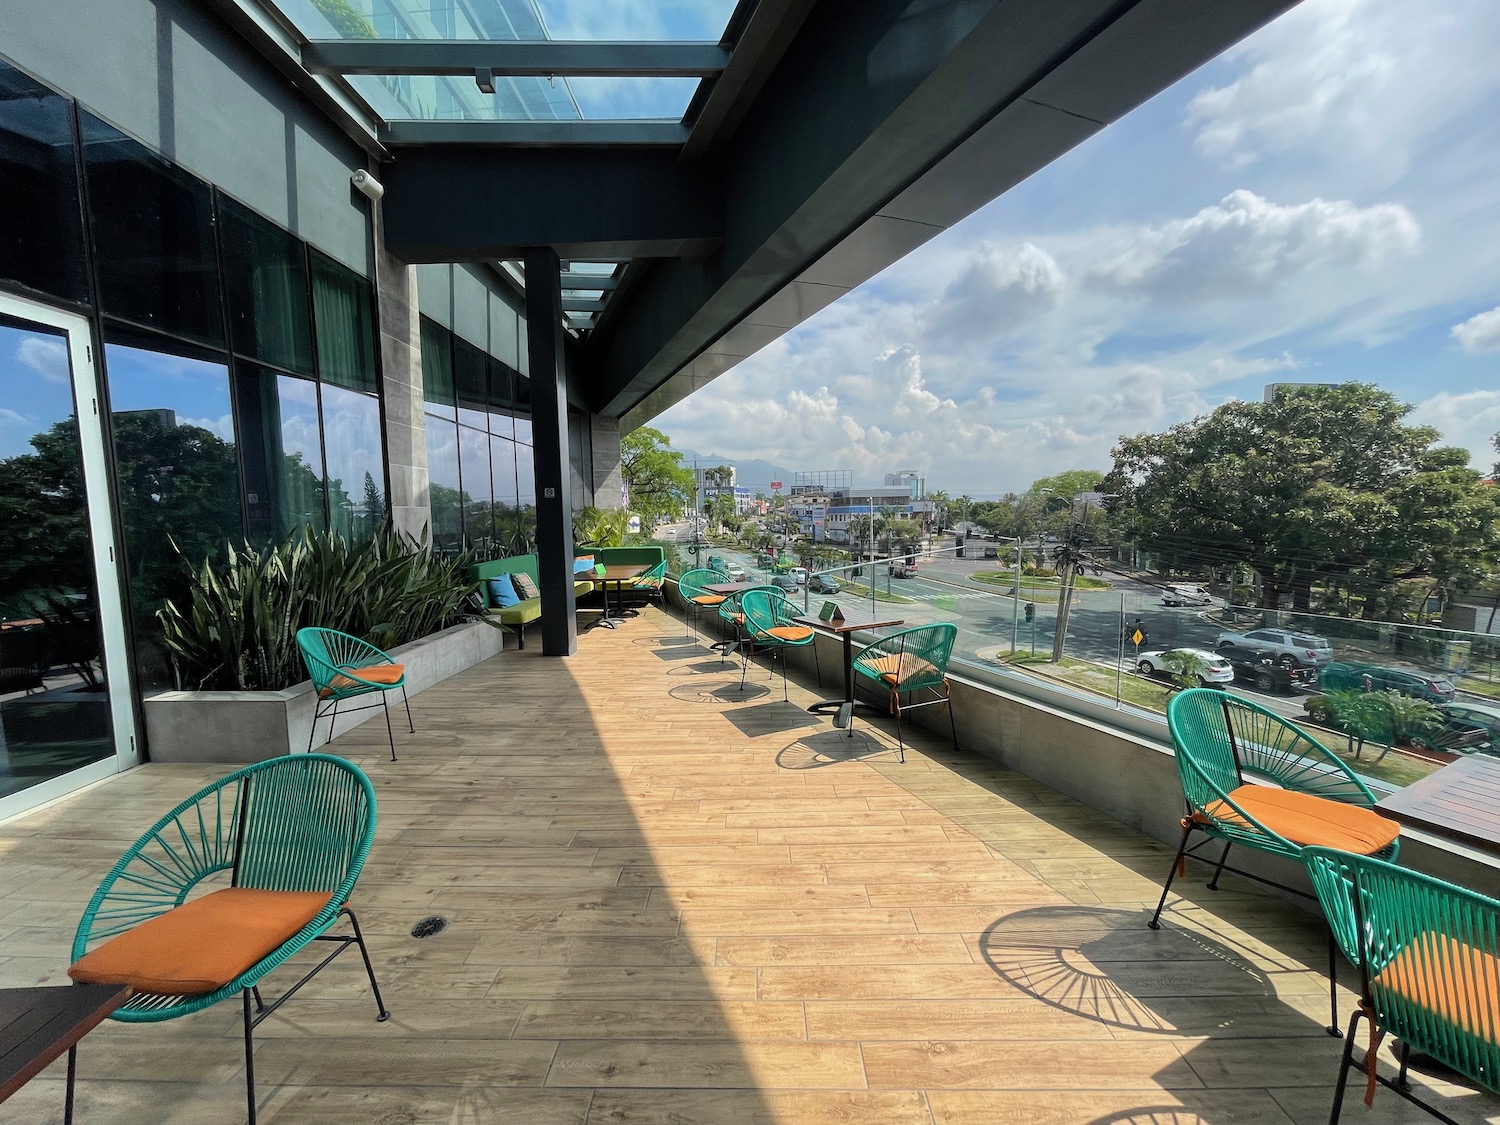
[(764, 718), (829, 748), (695, 691)]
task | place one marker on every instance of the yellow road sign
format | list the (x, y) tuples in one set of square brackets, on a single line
[(1137, 637)]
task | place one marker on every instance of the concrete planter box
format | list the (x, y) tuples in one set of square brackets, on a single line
[(239, 727)]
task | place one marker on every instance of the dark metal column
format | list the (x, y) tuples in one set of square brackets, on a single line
[(549, 437)]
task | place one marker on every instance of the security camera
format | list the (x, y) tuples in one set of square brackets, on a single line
[(367, 185)]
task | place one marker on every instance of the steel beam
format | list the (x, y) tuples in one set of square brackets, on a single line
[(606, 282), (500, 56), (536, 134)]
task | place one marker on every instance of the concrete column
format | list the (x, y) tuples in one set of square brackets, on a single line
[(549, 440), (401, 387), (607, 479)]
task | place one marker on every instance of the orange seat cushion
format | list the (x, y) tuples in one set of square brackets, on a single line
[(1447, 977), (375, 674), (203, 944), (710, 599), (1309, 821), (897, 668), (793, 633)]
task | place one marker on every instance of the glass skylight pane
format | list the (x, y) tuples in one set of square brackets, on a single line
[(638, 20), (633, 98)]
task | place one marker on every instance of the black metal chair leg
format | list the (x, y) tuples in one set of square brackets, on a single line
[(260, 1005), (411, 727), (1333, 986), (249, 1059), (1344, 1066), (1401, 1079), (332, 722), (389, 733), (784, 697), (369, 968), (952, 723), (313, 730), (72, 1079), (1177, 861), (900, 742), (1213, 884)]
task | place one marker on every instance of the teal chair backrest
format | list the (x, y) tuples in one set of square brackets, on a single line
[(921, 653), (327, 653), (691, 584), (1427, 954), (1219, 737), (766, 608), (731, 606)]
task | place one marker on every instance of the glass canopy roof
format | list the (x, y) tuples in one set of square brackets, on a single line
[(437, 97)]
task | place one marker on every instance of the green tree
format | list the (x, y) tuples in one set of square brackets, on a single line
[(1324, 485), (659, 484)]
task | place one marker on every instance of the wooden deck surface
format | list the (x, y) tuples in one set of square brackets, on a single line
[(670, 902)]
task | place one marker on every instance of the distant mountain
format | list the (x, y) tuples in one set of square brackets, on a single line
[(755, 475)]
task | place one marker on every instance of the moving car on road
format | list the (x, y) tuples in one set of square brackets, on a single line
[(823, 584), (785, 581), (1269, 671), (1481, 713), (1211, 667), (1182, 594), (903, 570), (1306, 648)]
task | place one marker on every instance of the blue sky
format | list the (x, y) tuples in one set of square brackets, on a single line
[(1318, 204)]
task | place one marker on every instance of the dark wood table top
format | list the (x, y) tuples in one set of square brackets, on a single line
[(852, 623), (728, 589), (38, 1025), (622, 572), (1460, 801)]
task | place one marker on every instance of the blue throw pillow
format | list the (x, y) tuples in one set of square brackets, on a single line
[(503, 592), (583, 564)]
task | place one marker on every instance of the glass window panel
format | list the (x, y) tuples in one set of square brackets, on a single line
[(474, 463), (265, 272), (54, 717), (503, 488), (345, 324), (525, 498), (41, 224), (503, 337), (176, 473), (523, 410), (446, 498), (437, 369), (355, 455), (283, 462), (502, 393), (471, 382), (153, 230)]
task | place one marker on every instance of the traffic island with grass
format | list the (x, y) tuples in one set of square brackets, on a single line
[(1034, 588)]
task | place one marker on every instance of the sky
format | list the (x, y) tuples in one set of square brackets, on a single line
[(1318, 204)]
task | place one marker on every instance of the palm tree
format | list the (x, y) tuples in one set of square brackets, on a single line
[(889, 514)]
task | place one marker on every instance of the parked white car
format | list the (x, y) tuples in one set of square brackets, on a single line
[(1180, 594), (1212, 668), (1305, 648)]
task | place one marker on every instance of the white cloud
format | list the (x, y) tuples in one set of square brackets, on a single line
[(1480, 333), (1466, 419), (1245, 245), (222, 426), (47, 356), (995, 291), (9, 417), (1362, 82)]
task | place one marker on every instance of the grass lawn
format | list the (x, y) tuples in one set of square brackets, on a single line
[(856, 590), (1035, 589)]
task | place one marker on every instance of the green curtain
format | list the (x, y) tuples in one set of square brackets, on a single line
[(341, 308)]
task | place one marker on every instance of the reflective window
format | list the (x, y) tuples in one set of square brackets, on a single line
[(474, 464), (153, 230), (355, 454), (503, 488), (41, 225), (54, 712), (283, 461), (175, 471), (502, 399), (471, 382), (345, 323), (526, 497), (265, 271), (446, 498), (523, 409)]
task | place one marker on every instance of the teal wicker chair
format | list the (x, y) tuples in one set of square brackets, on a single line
[(1313, 799), (651, 584), (1428, 955), (770, 623), (342, 667), (913, 663), (733, 616), (289, 836), (691, 586)]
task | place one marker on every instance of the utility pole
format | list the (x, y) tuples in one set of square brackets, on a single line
[(1015, 602)]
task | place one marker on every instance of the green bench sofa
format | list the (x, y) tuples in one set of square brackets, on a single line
[(517, 616), (643, 555)]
